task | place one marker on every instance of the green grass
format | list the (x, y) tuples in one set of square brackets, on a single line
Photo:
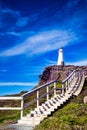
[(8, 116), (69, 117), (72, 116)]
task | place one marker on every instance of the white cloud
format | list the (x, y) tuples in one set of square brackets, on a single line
[(51, 62), (3, 70), (7, 10), (17, 84), (13, 33), (41, 43), (83, 62)]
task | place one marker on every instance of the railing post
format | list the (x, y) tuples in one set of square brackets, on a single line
[(54, 88), (37, 98), (74, 75), (83, 74), (62, 88), (66, 85), (68, 82), (47, 93), (22, 107), (72, 78), (79, 75)]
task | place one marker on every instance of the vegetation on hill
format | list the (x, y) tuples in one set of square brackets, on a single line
[(72, 116)]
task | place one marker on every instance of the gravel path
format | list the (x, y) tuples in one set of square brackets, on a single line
[(16, 127)]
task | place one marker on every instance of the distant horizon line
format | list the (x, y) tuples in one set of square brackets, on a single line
[(18, 84)]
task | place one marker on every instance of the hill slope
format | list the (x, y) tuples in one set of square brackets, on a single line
[(72, 116)]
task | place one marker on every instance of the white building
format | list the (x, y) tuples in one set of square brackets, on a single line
[(60, 57)]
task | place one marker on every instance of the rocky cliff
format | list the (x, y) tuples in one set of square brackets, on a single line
[(58, 72)]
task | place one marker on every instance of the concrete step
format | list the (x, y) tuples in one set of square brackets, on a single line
[(42, 114), (32, 121), (48, 111), (50, 106), (54, 103), (61, 100), (17, 127), (58, 102), (61, 97), (29, 122), (68, 96)]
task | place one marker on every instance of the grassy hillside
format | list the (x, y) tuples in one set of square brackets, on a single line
[(72, 116)]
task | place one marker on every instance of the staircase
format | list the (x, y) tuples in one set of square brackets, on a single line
[(72, 85)]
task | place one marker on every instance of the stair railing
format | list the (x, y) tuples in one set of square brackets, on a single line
[(37, 90), (65, 86), (66, 83)]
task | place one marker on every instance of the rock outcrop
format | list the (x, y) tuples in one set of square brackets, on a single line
[(58, 72)]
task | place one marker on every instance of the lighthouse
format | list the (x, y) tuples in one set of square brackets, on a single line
[(60, 57)]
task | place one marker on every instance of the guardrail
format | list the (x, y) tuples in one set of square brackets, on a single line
[(65, 85), (11, 98), (38, 96)]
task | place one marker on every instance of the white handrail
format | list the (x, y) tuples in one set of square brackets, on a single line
[(10, 108), (11, 98), (13, 108), (69, 76), (37, 90)]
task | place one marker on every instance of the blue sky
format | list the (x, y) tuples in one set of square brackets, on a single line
[(32, 31)]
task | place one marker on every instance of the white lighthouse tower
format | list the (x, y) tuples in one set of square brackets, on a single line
[(60, 57)]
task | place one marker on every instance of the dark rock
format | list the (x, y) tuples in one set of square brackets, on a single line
[(58, 72)]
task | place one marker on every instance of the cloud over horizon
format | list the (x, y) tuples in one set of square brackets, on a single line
[(42, 42), (17, 84)]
